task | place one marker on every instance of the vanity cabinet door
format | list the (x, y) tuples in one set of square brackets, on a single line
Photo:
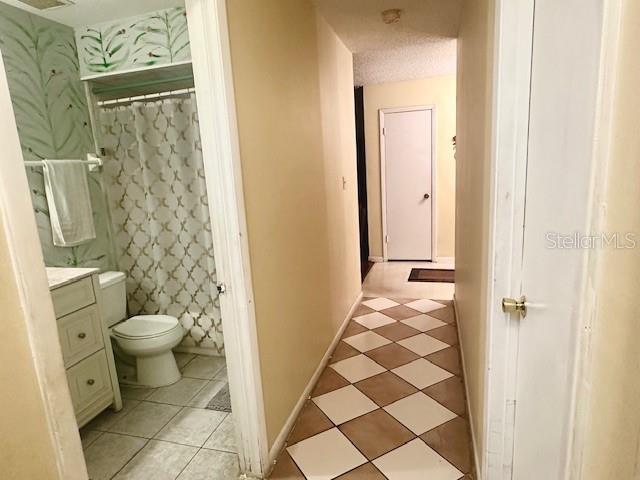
[(72, 297), (80, 334), (90, 384)]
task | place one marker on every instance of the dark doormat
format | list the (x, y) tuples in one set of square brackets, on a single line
[(431, 275), (221, 401)]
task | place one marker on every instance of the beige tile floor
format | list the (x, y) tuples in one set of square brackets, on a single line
[(166, 433), (390, 279)]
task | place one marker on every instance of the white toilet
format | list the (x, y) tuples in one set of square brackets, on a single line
[(141, 344)]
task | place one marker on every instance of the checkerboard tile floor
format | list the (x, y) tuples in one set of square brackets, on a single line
[(391, 403)]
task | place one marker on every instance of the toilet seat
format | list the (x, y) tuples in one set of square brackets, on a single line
[(145, 327)]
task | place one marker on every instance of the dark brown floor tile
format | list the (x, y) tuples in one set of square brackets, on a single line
[(376, 433), (368, 471), (353, 328), (450, 393), (447, 334), (445, 314), (402, 301), (362, 310), (400, 312), (385, 388), (392, 355), (453, 442), (449, 359), (286, 469), (329, 381), (342, 351), (311, 421), (396, 331), (448, 303)]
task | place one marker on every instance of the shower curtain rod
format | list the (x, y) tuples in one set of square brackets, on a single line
[(40, 163), (148, 96)]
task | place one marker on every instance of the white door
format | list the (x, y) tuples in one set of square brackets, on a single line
[(406, 147)]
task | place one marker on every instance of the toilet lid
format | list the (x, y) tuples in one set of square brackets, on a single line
[(145, 326)]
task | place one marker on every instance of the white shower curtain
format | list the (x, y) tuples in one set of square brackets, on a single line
[(157, 194)]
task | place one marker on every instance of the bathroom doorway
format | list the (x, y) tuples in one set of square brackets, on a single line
[(127, 196)]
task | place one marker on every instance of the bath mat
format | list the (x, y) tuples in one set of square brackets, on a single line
[(431, 275), (221, 401)]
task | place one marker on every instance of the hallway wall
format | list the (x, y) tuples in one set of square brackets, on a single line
[(294, 93), (612, 449), (473, 158), (437, 91)]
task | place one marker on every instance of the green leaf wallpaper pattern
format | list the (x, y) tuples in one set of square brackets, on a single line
[(154, 39), (53, 121)]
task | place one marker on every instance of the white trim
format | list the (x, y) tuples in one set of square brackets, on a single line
[(125, 71), (376, 259), (383, 173), (474, 438), (208, 34), (280, 440)]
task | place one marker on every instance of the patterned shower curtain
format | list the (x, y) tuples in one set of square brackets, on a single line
[(157, 195)]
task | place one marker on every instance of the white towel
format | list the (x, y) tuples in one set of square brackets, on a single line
[(70, 211)]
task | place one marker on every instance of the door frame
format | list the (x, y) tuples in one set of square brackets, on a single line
[(383, 174), (512, 53), (208, 33)]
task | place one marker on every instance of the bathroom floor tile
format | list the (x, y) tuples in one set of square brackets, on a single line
[(421, 373), (424, 305), (145, 420), (182, 359), (191, 426), (204, 396), (212, 465), (374, 320), (326, 455), (135, 393), (422, 344), (180, 393), (367, 341), (109, 453), (416, 461), (423, 322), (87, 437), (224, 437), (357, 368), (204, 367), (379, 303), (419, 413), (158, 461), (108, 418), (344, 404)]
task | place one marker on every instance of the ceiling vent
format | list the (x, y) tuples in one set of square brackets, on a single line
[(46, 4)]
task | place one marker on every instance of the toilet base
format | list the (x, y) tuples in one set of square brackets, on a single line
[(157, 370)]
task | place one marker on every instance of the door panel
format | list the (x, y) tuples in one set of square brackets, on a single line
[(407, 149)]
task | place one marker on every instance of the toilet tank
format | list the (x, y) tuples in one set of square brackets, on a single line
[(114, 297)]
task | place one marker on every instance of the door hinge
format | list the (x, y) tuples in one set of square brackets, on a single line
[(222, 288), (384, 131), (386, 239)]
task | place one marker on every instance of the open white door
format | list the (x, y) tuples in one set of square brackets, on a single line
[(406, 146), (543, 182)]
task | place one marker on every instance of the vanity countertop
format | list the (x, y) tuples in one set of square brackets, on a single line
[(59, 276)]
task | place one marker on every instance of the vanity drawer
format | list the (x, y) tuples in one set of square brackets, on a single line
[(80, 334), (89, 381), (72, 297)]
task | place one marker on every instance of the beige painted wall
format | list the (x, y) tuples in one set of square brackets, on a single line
[(475, 63), (438, 91), (294, 94), (612, 437)]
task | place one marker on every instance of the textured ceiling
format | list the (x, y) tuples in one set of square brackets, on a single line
[(421, 44), (87, 12)]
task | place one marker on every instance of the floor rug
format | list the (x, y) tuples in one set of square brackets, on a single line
[(431, 275), (221, 401)]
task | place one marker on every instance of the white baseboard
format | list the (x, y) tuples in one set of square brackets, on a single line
[(279, 442), (476, 459), (376, 259)]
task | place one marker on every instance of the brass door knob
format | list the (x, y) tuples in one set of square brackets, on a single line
[(426, 196), (511, 305)]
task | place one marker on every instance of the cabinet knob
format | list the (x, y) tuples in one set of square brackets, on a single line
[(82, 335), (91, 381)]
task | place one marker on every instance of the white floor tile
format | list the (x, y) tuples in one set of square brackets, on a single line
[(425, 305), (423, 322), (158, 461), (357, 368), (366, 341), (204, 367), (180, 393), (145, 420), (419, 413), (344, 404), (212, 465), (421, 373), (416, 461), (108, 418), (326, 455), (223, 437), (87, 437), (136, 393), (183, 358), (380, 303), (192, 426), (422, 344), (109, 453), (374, 320), (204, 396)]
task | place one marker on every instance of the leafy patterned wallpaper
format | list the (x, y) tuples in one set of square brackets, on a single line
[(154, 39), (53, 121)]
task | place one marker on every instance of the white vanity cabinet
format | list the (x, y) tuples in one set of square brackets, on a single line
[(84, 340)]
